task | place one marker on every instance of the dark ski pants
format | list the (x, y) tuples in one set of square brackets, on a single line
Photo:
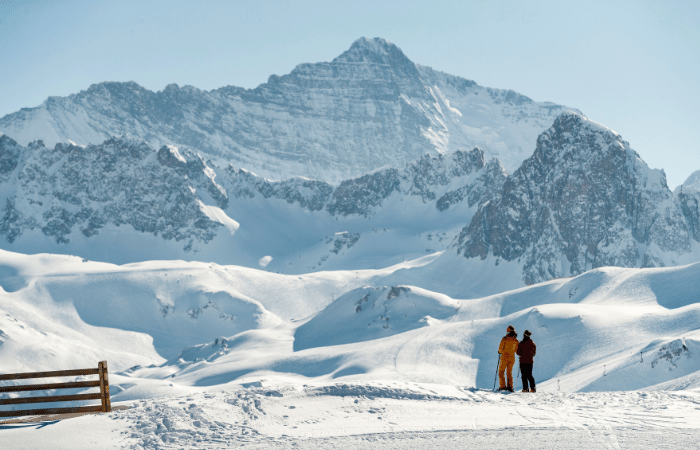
[(526, 370)]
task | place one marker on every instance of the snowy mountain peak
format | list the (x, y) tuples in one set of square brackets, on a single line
[(688, 198), (573, 119), (375, 50), (574, 137), (691, 185), (368, 108), (110, 90), (376, 61), (377, 45), (170, 203), (583, 200), (174, 89), (169, 156)]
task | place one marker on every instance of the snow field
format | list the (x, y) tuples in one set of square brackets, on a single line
[(213, 356), (589, 339), (265, 414), (268, 415), (386, 415), (204, 325)]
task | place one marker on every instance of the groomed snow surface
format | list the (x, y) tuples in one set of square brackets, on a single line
[(211, 356), (391, 415)]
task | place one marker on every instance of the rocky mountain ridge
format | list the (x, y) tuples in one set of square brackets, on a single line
[(690, 185), (119, 182), (688, 195), (370, 107), (439, 180), (72, 194), (583, 200)]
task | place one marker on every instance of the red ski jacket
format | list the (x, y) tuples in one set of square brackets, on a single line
[(526, 350)]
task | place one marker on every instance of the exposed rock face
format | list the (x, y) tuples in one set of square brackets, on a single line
[(688, 198), (691, 185), (9, 157), (584, 199), (442, 180), (370, 107), (119, 182), (175, 195)]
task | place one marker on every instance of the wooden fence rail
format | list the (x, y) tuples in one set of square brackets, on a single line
[(102, 383)]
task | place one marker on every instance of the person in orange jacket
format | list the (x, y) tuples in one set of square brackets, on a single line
[(507, 349)]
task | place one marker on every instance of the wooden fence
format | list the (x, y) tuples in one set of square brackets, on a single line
[(102, 383)]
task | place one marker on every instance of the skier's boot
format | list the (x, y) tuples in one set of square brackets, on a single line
[(525, 390), (533, 389), (509, 389)]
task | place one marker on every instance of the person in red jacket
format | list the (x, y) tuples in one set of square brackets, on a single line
[(507, 349), (526, 351)]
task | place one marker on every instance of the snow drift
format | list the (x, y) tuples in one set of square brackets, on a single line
[(607, 329)]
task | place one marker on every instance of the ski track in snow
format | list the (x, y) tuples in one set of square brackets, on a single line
[(612, 346), (400, 415)]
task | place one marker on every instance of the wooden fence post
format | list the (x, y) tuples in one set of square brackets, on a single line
[(102, 383), (104, 386)]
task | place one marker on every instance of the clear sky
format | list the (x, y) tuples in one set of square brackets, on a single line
[(633, 66)]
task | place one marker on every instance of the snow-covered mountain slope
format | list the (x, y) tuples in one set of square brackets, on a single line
[(122, 201), (368, 108), (690, 185), (583, 200), (688, 198), (163, 306), (76, 310), (100, 201), (608, 329), (38, 329), (377, 220), (343, 321)]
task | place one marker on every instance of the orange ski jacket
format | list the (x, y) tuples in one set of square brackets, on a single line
[(508, 347)]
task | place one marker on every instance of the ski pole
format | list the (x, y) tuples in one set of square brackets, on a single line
[(496, 376), (515, 383)]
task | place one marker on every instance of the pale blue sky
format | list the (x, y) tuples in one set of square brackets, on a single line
[(633, 66)]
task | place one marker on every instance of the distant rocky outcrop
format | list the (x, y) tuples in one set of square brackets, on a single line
[(583, 200), (688, 198), (174, 194), (461, 176), (119, 182)]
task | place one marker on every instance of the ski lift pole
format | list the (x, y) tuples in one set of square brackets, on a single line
[(496, 376)]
